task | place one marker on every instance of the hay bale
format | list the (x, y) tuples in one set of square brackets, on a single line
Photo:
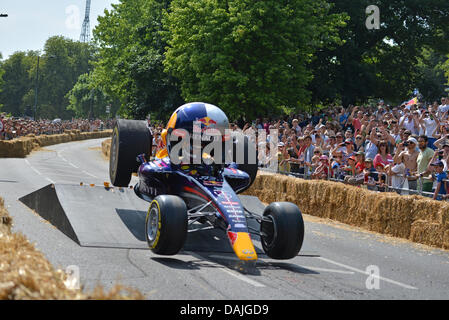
[(415, 218), (22, 146), (25, 273), (106, 147)]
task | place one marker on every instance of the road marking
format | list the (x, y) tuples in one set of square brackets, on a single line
[(230, 272), (301, 266), (368, 274), (38, 172), (327, 270), (89, 174), (73, 165)]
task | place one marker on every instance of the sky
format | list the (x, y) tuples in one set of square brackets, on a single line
[(31, 22)]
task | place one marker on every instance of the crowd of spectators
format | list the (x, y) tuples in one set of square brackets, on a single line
[(403, 148), (13, 127)]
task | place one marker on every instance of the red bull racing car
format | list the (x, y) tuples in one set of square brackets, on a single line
[(188, 191)]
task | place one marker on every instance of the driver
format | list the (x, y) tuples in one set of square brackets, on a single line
[(195, 120)]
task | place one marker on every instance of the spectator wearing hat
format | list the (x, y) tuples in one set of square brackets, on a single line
[(440, 177), (423, 161), (407, 154)]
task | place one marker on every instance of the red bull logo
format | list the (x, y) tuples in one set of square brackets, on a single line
[(207, 121)]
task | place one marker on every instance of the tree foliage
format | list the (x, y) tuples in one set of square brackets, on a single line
[(132, 53), (248, 57), (63, 61), (88, 100), (384, 62)]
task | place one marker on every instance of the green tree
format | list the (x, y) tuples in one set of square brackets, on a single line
[(131, 51), (17, 81), (384, 62), (88, 100), (65, 60), (249, 57)]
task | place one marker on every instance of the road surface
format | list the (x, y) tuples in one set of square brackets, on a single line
[(336, 261)]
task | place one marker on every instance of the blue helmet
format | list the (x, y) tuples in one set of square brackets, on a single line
[(204, 115)]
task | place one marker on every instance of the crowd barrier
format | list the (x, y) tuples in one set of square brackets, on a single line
[(387, 187), (21, 147), (411, 217)]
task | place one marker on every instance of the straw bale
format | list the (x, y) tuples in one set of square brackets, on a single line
[(22, 146), (414, 217), (26, 274), (106, 147)]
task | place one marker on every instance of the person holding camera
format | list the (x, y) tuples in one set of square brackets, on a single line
[(407, 154), (430, 122)]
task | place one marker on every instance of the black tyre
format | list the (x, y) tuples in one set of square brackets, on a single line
[(282, 237), (129, 139), (166, 225), (249, 164)]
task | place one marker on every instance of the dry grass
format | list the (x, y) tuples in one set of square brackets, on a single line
[(25, 273)]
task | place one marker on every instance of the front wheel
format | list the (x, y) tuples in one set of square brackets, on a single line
[(166, 225), (283, 232)]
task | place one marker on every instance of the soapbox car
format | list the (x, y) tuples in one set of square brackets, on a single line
[(183, 195)]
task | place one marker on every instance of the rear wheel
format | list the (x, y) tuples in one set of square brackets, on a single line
[(130, 138), (166, 224), (283, 235)]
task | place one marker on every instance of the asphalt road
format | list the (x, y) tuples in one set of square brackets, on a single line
[(336, 261)]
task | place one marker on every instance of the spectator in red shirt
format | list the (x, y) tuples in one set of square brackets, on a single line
[(382, 156)]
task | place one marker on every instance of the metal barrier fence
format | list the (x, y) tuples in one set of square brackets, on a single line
[(307, 175)]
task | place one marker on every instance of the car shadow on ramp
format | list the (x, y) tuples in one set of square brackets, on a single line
[(134, 220)]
